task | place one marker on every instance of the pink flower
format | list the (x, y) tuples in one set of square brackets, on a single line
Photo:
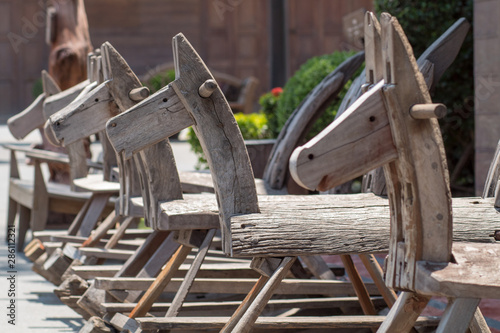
[(277, 91)]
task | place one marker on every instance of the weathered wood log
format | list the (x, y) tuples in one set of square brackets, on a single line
[(342, 224)]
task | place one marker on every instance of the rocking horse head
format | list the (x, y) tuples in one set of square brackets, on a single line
[(392, 125), (193, 99), (120, 90), (49, 102)]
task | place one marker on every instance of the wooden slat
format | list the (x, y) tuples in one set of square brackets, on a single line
[(239, 286), (304, 303), (474, 274), (192, 323)]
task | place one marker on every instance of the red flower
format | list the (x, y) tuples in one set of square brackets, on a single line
[(276, 91)]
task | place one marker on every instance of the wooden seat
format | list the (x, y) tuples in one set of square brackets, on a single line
[(421, 256), (33, 200)]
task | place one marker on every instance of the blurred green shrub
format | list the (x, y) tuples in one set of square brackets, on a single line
[(253, 126)]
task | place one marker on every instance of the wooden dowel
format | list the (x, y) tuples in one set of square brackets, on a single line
[(138, 94), (427, 111), (207, 88)]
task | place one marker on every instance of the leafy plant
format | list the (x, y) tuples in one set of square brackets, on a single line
[(252, 126), (160, 80), (308, 76), (423, 22), (268, 103)]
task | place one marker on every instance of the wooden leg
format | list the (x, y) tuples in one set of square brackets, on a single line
[(359, 287), (478, 324), (458, 315), (94, 212), (136, 262), (126, 222), (181, 295), (404, 313), (24, 223), (240, 311), (101, 230), (377, 275), (40, 201), (161, 282), (77, 222), (11, 215), (246, 322)]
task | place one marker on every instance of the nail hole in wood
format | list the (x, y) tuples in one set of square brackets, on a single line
[(165, 100), (96, 100), (372, 118), (310, 156)]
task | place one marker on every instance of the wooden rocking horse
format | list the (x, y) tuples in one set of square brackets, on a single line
[(397, 128)]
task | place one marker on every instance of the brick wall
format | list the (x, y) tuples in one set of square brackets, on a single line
[(487, 85)]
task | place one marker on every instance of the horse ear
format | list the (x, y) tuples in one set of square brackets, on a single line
[(50, 87), (122, 79)]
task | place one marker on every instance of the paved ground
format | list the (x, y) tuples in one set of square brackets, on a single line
[(37, 308)]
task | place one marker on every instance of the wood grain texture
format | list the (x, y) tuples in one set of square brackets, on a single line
[(473, 274), (458, 315), (349, 147), (95, 183), (192, 212), (27, 120), (219, 136), (181, 295), (303, 117), (60, 100), (84, 116), (274, 323), (247, 321), (304, 303), (160, 282), (404, 314), (341, 224), (158, 117), (239, 286), (123, 79), (439, 54), (422, 205), (159, 180)]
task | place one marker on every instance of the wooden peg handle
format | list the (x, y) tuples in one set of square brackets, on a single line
[(427, 111), (138, 94), (207, 88)]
